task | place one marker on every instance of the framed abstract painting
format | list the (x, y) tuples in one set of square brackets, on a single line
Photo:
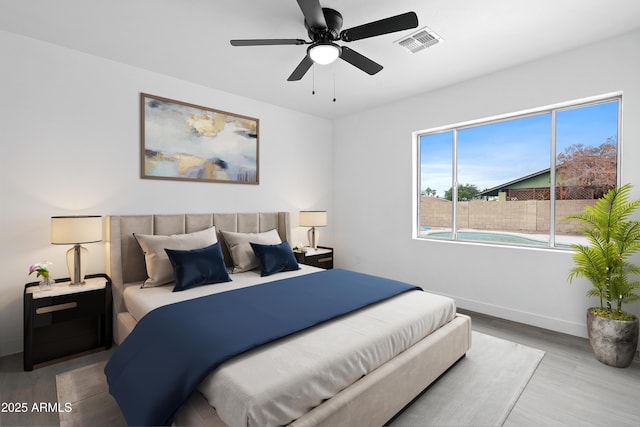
[(181, 141)]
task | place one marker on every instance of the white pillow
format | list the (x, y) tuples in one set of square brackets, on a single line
[(239, 245), (159, 267)]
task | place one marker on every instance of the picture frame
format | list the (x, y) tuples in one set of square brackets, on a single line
[(188, 142)]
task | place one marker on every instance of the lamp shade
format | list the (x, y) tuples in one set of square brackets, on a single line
[(313, 218), (71, 230)]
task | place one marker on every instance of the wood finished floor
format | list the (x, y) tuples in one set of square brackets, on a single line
[(569, 388)]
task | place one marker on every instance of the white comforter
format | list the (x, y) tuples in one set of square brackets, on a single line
[(281, 381)]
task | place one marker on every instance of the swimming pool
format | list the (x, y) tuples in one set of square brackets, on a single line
[(492, 237)]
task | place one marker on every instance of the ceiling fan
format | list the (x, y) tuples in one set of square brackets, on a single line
[(323, 26)]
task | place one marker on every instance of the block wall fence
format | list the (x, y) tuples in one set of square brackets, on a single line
[(525, 216)]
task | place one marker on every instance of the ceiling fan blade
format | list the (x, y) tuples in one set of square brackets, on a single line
[(301, 69), (360, 61), (266, 42), (384, 26), (313, 14)]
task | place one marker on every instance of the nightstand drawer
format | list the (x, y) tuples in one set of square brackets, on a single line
[(62, 308), (322, 261)]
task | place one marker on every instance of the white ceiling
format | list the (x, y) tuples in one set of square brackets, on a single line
[(189, 39)]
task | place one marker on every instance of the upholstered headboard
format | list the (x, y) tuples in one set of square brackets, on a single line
[(125, 261)]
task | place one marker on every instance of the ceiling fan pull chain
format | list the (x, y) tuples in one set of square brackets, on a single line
[(313, 75), (334, 82)]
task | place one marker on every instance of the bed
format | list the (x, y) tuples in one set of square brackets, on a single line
[(378, 389)]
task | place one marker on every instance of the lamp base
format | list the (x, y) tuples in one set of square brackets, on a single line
[(76, 257), (314, 236)]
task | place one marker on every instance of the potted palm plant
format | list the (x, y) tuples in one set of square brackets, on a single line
[(613, 238)]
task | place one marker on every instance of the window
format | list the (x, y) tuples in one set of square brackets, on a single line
[(492, 181)]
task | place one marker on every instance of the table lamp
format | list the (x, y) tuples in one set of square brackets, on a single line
[(313, 219), (75, 230)]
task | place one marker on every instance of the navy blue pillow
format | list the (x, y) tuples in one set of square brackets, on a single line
[(197, 267), (275, 258)]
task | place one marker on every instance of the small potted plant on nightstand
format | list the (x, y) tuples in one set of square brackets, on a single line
[(42, 270), (613, 238)]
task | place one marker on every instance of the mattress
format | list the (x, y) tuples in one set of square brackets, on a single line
[(277, 383)]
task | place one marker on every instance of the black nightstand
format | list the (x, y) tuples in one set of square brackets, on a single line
[(321, 257), (66, 319)]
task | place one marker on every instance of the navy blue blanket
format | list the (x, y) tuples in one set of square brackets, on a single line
[(173, 348)]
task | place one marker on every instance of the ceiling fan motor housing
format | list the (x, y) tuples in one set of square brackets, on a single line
[(333, 19)]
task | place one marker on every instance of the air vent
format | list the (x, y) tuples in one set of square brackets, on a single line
[(421, 39)]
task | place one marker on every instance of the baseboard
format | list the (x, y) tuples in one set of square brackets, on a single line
[(578, 329)]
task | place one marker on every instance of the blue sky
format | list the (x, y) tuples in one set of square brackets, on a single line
[(490, 155)]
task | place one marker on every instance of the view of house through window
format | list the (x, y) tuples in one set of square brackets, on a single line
[(505, 171)]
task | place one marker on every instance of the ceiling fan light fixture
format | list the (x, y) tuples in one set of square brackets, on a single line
[(324, 53)]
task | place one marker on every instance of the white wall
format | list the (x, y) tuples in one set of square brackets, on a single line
[(69, 135), (373, 203)]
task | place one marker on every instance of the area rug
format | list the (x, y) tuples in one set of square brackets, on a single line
[(91, 404), (480, 390)]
